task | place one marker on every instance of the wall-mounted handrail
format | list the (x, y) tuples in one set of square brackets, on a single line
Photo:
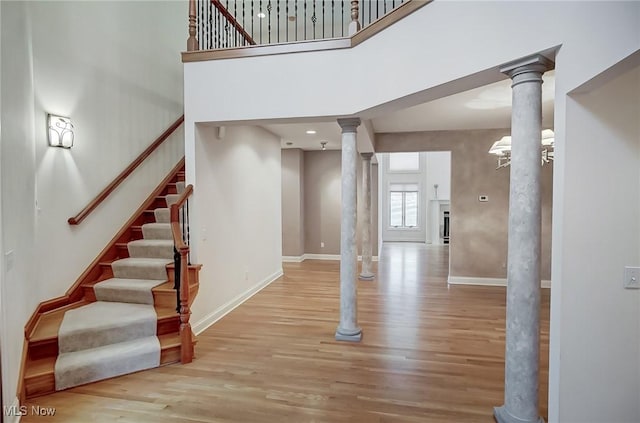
[(75, 220), (182, 274)]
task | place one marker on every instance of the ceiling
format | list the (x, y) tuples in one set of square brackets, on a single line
[(481, 108)]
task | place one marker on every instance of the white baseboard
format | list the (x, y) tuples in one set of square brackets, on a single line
[(15, 412), (464, 280), (228, 307), (293, 259), (300, 259)]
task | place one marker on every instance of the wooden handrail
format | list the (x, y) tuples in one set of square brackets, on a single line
[(75, 220), (186, 347), (232, 20)]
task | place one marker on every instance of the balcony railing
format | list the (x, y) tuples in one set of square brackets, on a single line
[(217, 24)]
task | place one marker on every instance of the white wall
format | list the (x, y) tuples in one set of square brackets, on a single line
[(236, 226), (117, 73), (597, 321)]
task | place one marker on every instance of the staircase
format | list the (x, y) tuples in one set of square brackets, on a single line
[(120, 317)]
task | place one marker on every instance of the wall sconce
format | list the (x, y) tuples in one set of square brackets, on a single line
[(59, 131)]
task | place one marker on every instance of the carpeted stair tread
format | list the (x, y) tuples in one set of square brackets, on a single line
[(171, 198), (162, 215), (140, 268), (151, 248), (90, 365), (157, 231), (126, 290), (102, 323)]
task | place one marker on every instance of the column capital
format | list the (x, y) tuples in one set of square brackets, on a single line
[(349, 124), (366, 156), (536, 63)]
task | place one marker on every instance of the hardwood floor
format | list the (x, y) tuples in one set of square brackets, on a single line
[(429, 353)]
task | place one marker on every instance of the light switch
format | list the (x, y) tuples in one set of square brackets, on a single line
[(632, 277), (9, 259)]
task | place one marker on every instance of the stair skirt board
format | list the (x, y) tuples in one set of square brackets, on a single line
[(90, 365)]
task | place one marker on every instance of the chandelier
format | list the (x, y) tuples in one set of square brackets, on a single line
[(502, 149)]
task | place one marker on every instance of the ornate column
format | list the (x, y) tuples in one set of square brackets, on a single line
[(523, 256), (348, 329), (366, 273)]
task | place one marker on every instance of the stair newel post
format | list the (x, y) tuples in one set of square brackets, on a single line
[(182, 277), (186, 355), (192, 41), (354, 25)]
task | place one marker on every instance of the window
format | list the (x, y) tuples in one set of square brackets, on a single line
[(403, 203), (404, 162)]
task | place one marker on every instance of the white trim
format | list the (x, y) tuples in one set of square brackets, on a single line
[(227, 308), (14, 418), (293, 259), (300, 259), (464, 280), (321, 257)]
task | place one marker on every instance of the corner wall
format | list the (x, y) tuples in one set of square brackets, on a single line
[(293, 211), (236, 225), (595, 321)]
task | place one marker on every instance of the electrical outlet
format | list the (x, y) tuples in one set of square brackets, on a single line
[(322, 245), (632, 277)]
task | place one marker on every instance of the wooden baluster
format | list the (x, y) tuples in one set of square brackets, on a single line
[(354, 26), (192, 41)]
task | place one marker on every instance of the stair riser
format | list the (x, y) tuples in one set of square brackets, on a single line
[(154, 232), (99, 338), (146, 251), (125, 271), (171, 198), (162, 215), (140, 355)]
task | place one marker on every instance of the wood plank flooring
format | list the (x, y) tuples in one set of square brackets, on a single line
[(429, 353)]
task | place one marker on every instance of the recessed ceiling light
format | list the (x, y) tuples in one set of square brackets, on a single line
[(311, 132), (261, 15)]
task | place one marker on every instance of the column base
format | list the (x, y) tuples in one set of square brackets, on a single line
[(366, 276), (502, 416), (354, 335)]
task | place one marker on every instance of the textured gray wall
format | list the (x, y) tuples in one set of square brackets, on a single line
[(311, 202), (478, 243), (292, 202)]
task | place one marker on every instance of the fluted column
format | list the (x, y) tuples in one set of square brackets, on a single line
[(523, 255), (348, 329), (366, 271)]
